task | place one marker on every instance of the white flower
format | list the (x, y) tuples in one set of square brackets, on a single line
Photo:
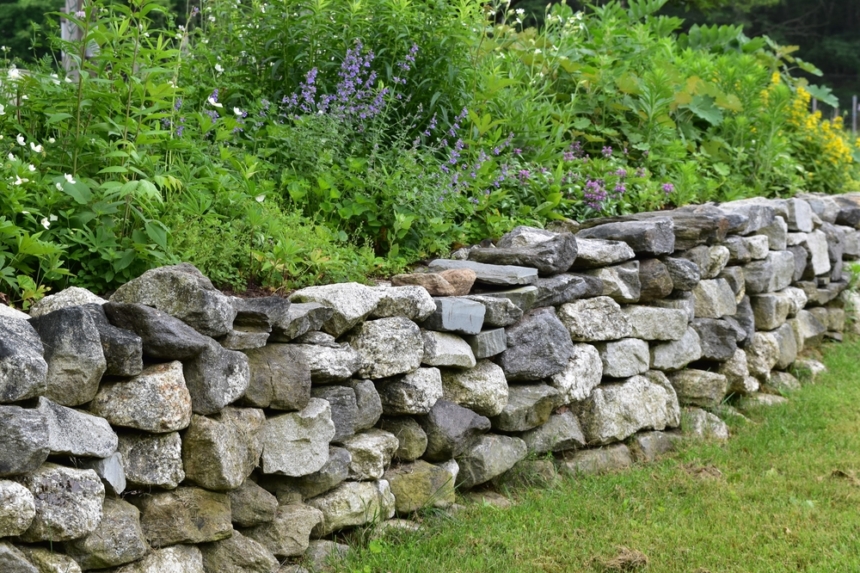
[(52, 140), (260, 198), (520, 11), (25, 212), (238, 111), (53, 218), (68, 80), (11, 157), (219, 68), (45, 223), (25, 96), (2, 109), (31, 168), (36, 148), (59, 186), (213, 103), (69, 178), (211, 18), (537, 51), (55, 79), (14, 74), (20, 139), (18, 180)]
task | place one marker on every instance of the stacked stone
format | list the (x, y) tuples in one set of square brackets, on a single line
[(176, 429)]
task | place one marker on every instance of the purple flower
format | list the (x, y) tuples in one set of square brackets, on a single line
[(620, 189), (640, 172), (622, 173), (194, 11), (594, 194), (606, 151), (668, 188), (569, 156), (518, 151), (177, 104), (523, 175)]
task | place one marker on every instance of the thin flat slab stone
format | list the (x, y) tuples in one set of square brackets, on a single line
[(500, 275)]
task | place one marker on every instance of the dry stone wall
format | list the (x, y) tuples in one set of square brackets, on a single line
[(173, 429)]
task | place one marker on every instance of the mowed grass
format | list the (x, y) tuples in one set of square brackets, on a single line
[(781, 495)]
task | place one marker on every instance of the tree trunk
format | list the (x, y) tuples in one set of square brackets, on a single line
[(70, 32)]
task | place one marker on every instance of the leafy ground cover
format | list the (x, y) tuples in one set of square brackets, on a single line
[(781, 495), (313, 141)]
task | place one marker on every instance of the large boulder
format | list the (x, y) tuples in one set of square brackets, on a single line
[(152, 460), (594, 319), (280, 378), (387, 347), (351, 303), (75, 433), (186, 515), (156, 400), (539, 346), (353, 503), (73, 351), (296, 444), (484, 388), (68, 503), (117, 540), (23, 370), (181, 291), (218, 454), (489, 456), (163, 337), (450, 429), (413, 393), (216, 377), (582, 373), (25, 439)]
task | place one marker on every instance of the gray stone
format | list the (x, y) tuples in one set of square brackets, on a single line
[(344, 408), (111, 470), (413, 393), (352, 504), (653, 323), (497, 275), (799, 215), (787, 343), (655, 280), (762, 354), (420, 485), (442, 349), (673, 409), (717, 338), (559, 289), (758, 246), (561, 432), (246, 339), (185, 515), (649, 446), (123, 349), (624, 358), (450, 429), (523, 298), (183, 292), (771, 309), (176, 559), (12, 560), (745, 320), (735, 277), (776, 233), (251, 505), (301, 319), (25, 439), (677, 354), (815, 244), (714, 299), (351, 303), (117, 540), (215, 378), (597, 461), (620, 282), (850, 243), (261, 312), (489, 456), (685, 274), (410, 301), (581, 374), (484, 388), (411, 437), (486, 343), (296, 444), (594, 253), (738, 250), (808, 369), (75, 433), (546, 251), (679, 300), (327, 360), (218, 454), (456, 314), (74, 355), (387, 347), (759, 212), (761, 400), (539, 346), (783, 382), (68, 503), (71, 296), (152, 460), (23, 370), (371, 453), (48, 561), (655, 236), (698, 423), (17, 508), (367, 402), (699, 387), (280, 378), (163, 336), (771, 274), (293, 490), (528, 406), (737, 373), (321, 556), (499, 311), (594, 319), (156, 400), (288, 534), (237, 553), (718, 258), (615, 411), (801, 259)]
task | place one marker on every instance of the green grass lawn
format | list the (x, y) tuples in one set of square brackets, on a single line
[(779, 496)]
